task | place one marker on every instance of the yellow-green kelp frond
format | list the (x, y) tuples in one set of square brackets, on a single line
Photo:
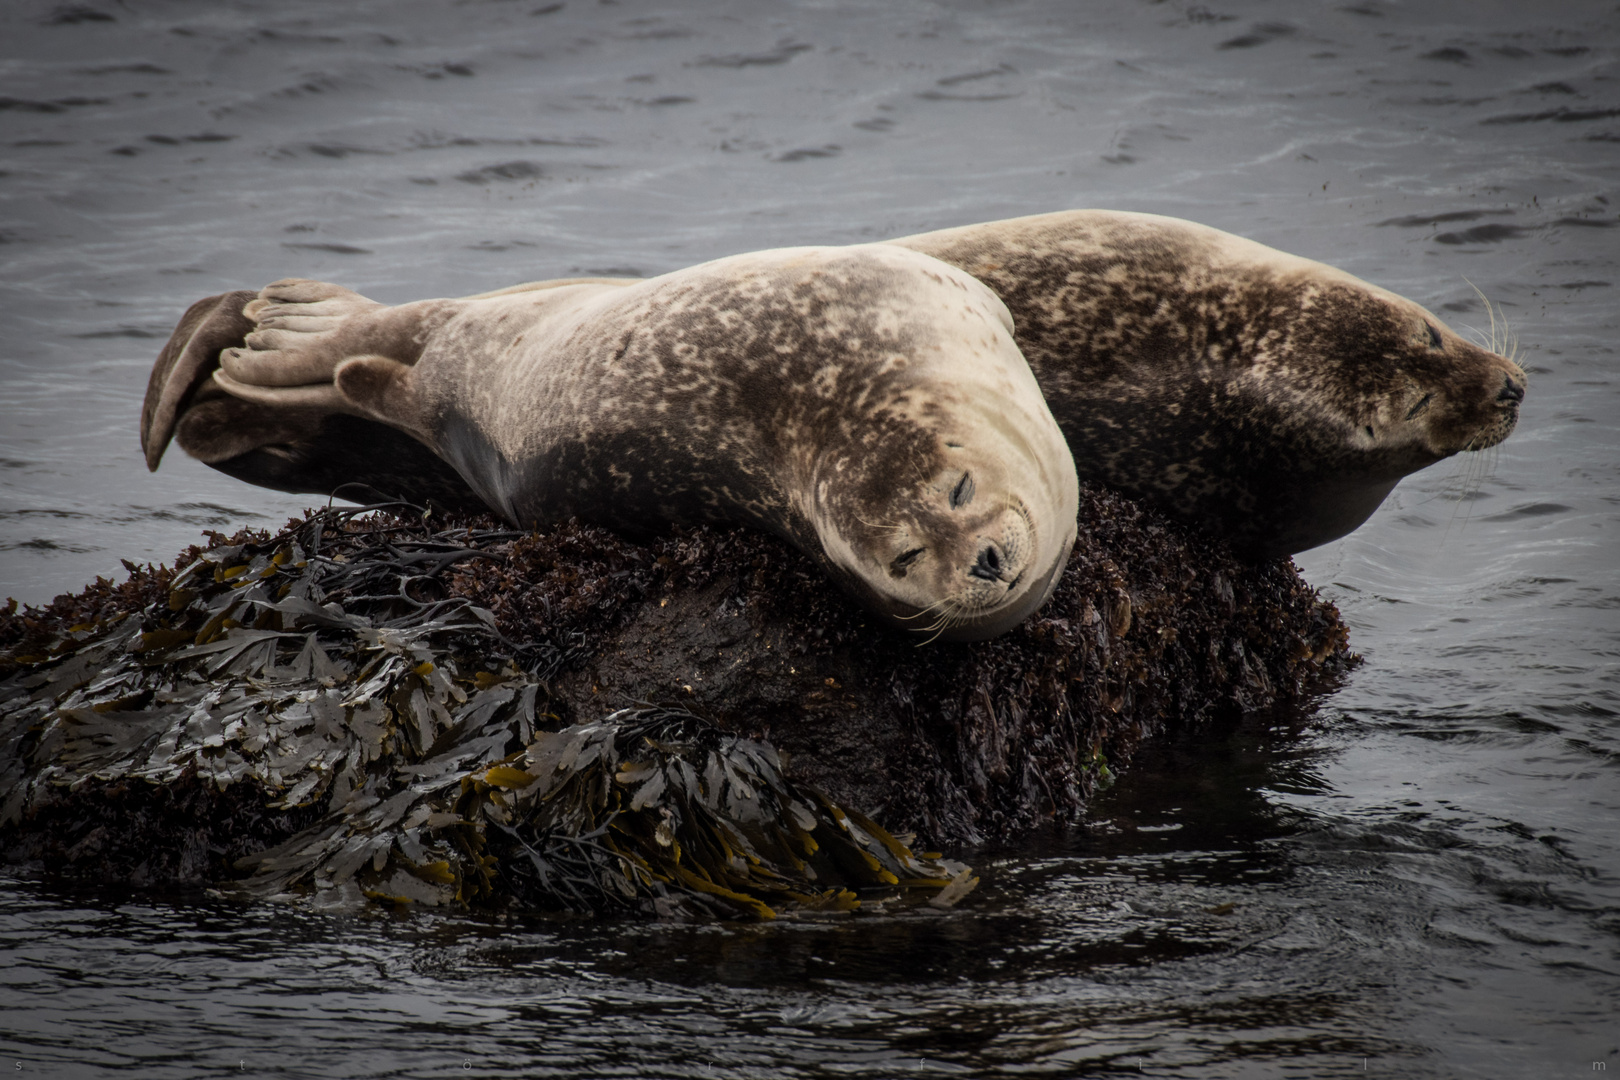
[(657, 810)]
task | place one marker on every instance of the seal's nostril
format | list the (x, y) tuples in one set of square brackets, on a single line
[(1511, 391), (989, 565)]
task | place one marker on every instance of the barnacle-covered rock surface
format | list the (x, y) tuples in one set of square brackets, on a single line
[(416, 710)]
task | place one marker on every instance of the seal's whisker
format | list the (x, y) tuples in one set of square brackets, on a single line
[(1470, 478), (925, 611), (1457, 503), (1490, 312), (1501, 339), (945, 622), (917, 467), (1509, 347), (1453, 489)]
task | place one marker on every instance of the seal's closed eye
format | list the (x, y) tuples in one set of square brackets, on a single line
[(1434, 337), (962, 494), (1422, 404), (903, 561)]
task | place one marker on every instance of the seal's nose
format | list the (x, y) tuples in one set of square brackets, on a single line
[(1511, 390), (988, 565)]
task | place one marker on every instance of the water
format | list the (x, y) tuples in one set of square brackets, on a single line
[(1425, 878)]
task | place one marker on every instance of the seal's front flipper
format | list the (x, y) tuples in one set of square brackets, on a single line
[(371, 387), (319, 397), (308, 439), (185, 364), (385, 390)]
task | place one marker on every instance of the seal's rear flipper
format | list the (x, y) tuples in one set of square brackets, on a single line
[(185, 364), (347, 456), (302, 329), (294, 439)]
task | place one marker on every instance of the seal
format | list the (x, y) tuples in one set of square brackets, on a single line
[(1266, 397), (866, 403)]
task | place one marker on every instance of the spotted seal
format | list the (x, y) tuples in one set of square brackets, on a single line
[(866, 403), (1266, 397)]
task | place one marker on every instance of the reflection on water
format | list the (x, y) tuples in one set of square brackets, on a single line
[(1420, 881)]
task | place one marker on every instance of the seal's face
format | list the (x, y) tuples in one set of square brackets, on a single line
[(960, 536), (1342, 389), (1402, 388)]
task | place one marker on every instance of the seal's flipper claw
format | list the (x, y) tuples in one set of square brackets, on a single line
[(185, 363)]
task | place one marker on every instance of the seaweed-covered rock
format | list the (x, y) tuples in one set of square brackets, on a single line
[(320, 688), (433, 711), (1151, 624)]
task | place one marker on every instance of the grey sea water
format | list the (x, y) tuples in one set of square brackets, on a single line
[(1422, 880)]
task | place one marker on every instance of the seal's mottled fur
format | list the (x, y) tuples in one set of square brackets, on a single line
[(1270, 398), (866, 403)]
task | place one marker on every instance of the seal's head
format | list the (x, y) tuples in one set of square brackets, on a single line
[(1364, 387), (1405, 389), (927, 470), (962, 532)]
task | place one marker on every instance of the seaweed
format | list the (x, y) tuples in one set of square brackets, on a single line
[(1152, 625), (657, 810), (376, 717)]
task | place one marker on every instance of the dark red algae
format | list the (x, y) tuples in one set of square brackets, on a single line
[(427, 709)]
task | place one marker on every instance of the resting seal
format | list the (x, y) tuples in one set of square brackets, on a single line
[(867, 403), (1266, 397)]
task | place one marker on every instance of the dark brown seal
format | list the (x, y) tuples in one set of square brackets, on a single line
[(866, 403), (1270, 398)]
